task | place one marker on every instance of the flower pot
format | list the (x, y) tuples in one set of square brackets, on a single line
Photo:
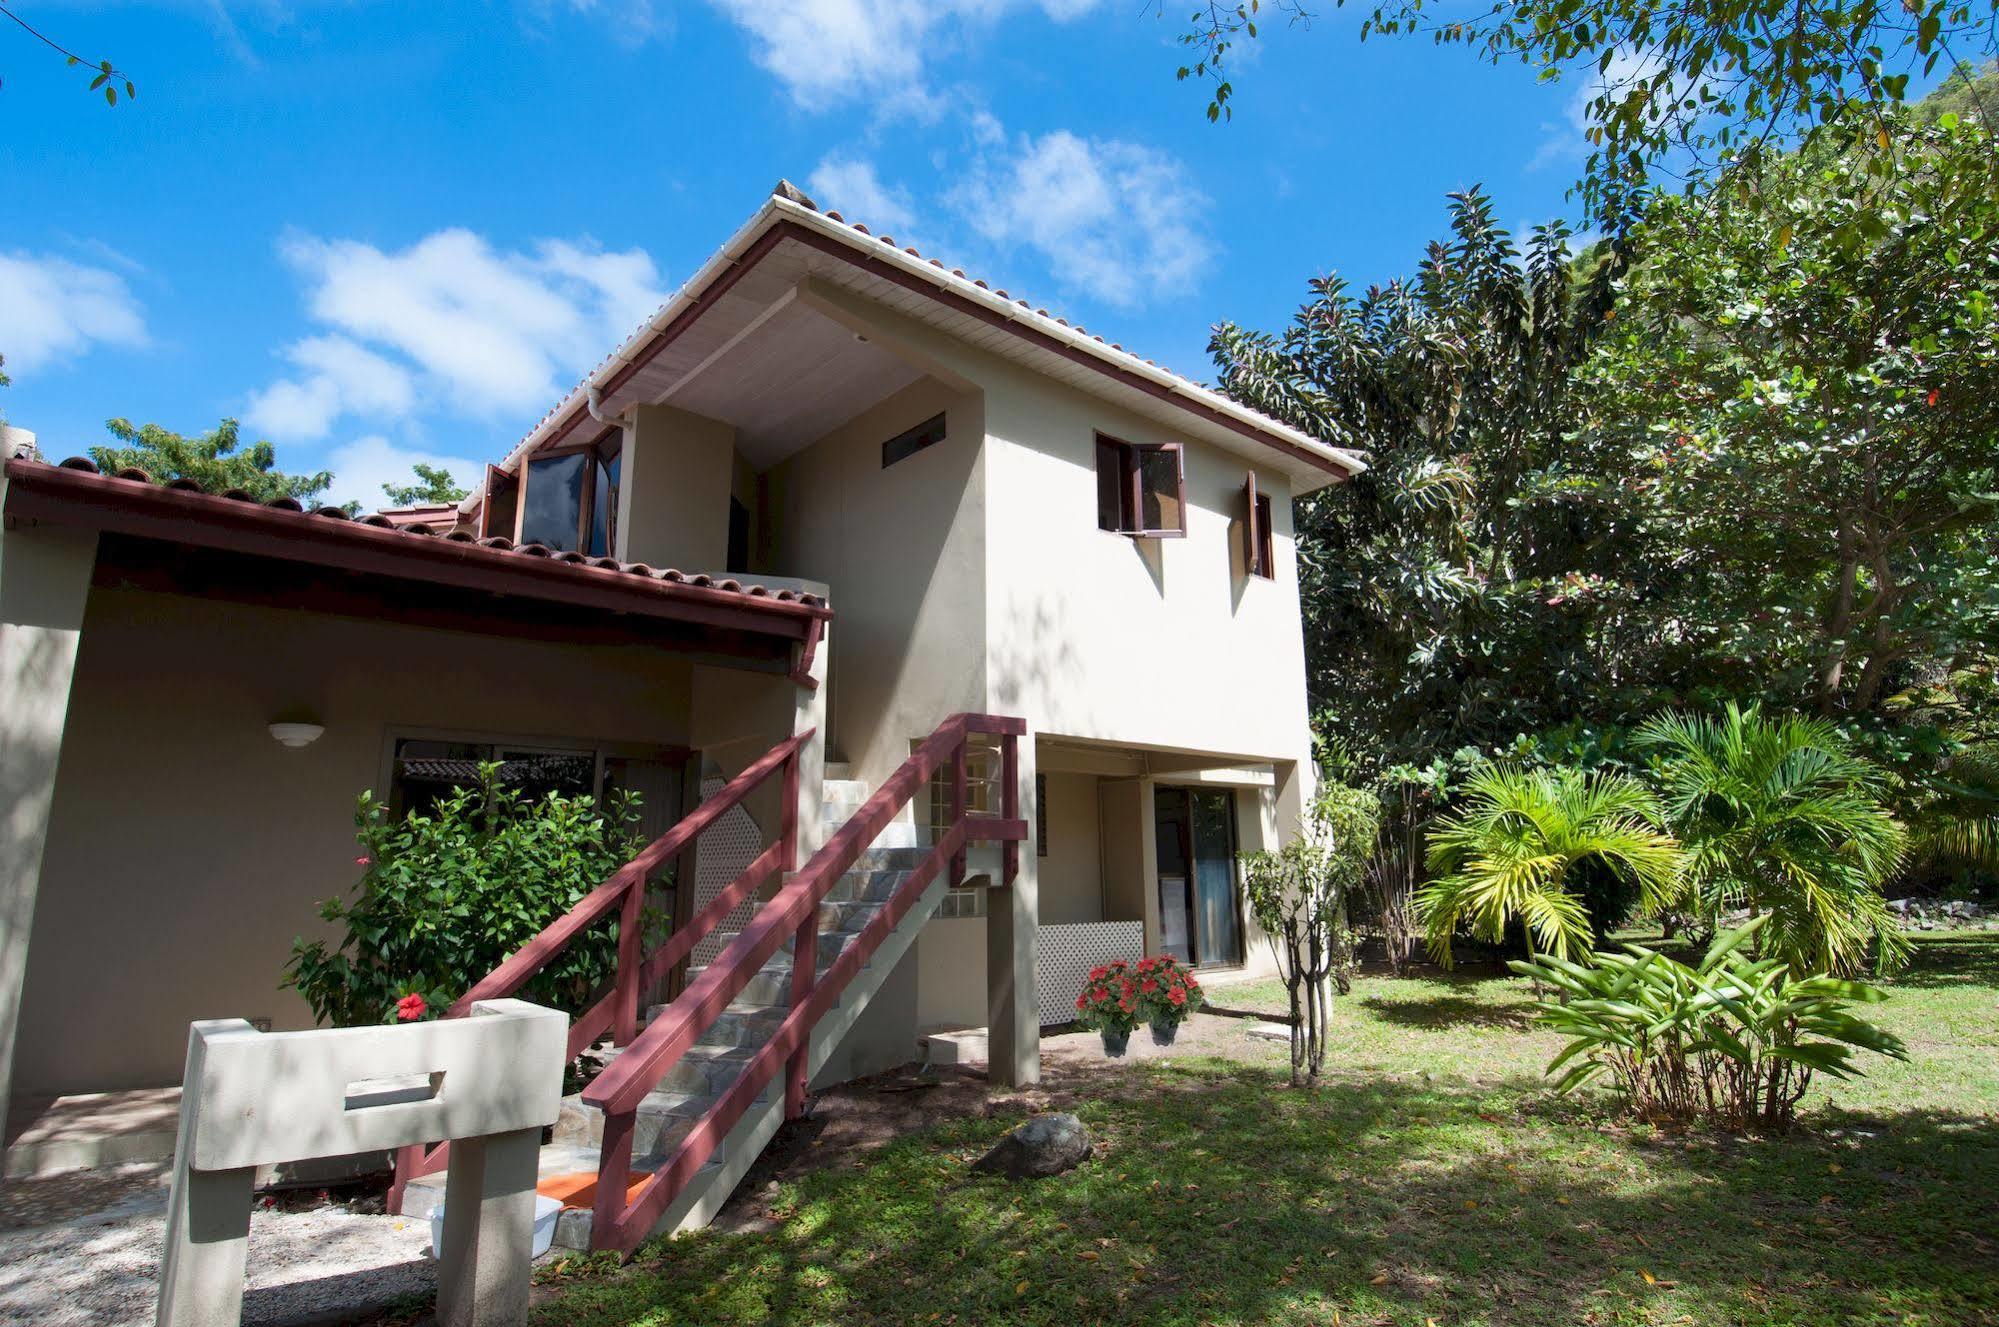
[(1163, 1033), (1116, 1043)]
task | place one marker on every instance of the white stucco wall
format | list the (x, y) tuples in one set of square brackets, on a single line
[(186, 848)]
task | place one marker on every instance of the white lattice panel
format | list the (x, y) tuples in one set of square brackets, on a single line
[(724, 851), (1064, 956)]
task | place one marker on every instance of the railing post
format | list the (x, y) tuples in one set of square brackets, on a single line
[(804, 972), (614, 1175), (958, 802), (625, 1013), (787, 823), (1010, 800)]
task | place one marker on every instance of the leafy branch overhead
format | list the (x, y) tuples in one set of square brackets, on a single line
[(106, 76), (1685, 91)]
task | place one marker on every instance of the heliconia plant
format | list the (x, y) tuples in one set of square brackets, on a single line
[(1733, 1039)]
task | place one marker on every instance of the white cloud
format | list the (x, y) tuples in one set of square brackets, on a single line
[(52, 309), (829, 51), (1115, 220), (361, 467), (450, 320), (852, 187), (340, 377), (1568, 140)]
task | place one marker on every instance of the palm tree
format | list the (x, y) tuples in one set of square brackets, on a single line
[(1778, 815), (1529, 845)]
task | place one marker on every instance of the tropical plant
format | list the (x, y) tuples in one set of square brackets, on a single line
[(1564, 853), (446, 896), (1779, 816), (1733, 1038), (1300, 897)]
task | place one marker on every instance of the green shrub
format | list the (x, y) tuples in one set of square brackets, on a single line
[(445, 897), (1735, 1040)]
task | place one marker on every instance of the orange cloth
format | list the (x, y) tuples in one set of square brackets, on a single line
[(579, 1188)]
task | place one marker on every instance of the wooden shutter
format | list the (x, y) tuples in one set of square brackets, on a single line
[(1252, 546)]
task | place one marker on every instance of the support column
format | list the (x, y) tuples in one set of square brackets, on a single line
[(1013, 1011), (488, 1225), (44, 582)]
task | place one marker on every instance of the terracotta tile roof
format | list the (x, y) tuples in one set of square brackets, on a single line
[(23, 464), (787, 200)]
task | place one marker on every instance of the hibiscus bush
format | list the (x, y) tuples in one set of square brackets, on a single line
[(446, 895), (1167, 991), (1109, 1002)]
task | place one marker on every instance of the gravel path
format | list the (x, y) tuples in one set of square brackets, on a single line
[(100, 1267)]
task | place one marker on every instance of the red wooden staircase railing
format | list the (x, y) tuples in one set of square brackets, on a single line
[(618, 1012), (790, 916)]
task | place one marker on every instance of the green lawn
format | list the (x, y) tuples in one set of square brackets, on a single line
[(1431, 1179)]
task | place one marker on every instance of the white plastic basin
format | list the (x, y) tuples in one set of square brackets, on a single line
[(546, 1210)]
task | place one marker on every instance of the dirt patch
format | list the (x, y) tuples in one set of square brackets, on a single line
[(848, 1122)]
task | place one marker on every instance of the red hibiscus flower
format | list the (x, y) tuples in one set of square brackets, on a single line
[(1177, 996), (410, 1008), (1149, 986), (360, 861)]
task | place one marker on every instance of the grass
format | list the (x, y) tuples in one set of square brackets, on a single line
[(1431, 1179)]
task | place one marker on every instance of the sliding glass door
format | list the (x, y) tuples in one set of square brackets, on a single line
[(1200, 915)]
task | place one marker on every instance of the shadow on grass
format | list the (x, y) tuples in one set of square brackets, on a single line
[(1966, 959), (1221, 1195), (1446, 1011)]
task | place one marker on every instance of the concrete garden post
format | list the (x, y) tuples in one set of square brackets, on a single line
[(489, 1083)]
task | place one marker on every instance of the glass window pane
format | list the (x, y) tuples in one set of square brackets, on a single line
[(1159, 489), (1110, 486), (604, 508), (1176, 935), (1214, 878), (554, 501)]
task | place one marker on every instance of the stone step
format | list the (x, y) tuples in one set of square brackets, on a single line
[(866, 886), (901, 857)]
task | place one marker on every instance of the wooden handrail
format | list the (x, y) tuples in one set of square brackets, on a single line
[(537, 953), (790, 914), (617, 1011)]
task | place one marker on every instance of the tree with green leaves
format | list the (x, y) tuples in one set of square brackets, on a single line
[(216, 460), (1563, 854), (1814, 422), (433, 485), (1778, 815), (1301, 898), (1691, 90), (1476, 583)]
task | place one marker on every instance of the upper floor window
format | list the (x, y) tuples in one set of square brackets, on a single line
[(911, 441), (1141, 488), (570, 502), (1259, 549)]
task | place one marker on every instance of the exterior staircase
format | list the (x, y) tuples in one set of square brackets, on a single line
[(686, 1099)]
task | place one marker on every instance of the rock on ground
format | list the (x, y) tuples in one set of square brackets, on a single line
[(1046, 1145)]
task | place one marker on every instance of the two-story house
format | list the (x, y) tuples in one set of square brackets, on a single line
[(833, 495)]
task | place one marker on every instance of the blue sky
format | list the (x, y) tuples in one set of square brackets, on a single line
[(383, 232)]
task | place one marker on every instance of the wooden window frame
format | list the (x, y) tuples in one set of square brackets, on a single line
[(1131, 486), (609, 443), (1259, 553), (498, 482)]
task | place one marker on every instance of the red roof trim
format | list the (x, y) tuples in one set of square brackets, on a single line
[(75, 494)]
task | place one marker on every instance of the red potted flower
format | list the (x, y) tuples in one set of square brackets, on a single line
[(1110, 1004), (1167, 995)]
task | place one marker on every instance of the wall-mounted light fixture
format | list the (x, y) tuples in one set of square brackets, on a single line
[(296, 734)]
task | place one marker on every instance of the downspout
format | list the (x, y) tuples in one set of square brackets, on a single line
[(593, 401)]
